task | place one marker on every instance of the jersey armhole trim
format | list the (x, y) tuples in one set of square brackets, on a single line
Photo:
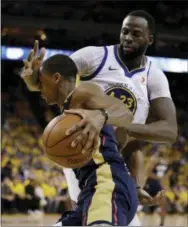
[(147, 80), (149, 68), (89, 77)]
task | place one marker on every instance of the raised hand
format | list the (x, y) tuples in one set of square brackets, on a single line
[(31, 67)]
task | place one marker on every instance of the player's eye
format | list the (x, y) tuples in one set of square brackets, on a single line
[(137, 34), (124, 31)]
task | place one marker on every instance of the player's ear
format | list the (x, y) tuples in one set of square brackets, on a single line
[(57, 77), (151, 39)]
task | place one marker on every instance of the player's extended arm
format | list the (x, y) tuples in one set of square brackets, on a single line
[(164, 129), (150, 166), (135, 163), (134, 158), (92, 97), (88, 100)]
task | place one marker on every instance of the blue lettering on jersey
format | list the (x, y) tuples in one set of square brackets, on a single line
[(125, 95)]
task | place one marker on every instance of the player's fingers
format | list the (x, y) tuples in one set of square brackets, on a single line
[(26, 64), (77, 140), (90, 142), (160, 194), (144, 198), (36, 47), (42, 54), (26, 72), (30, 56), (160, 197), (76, 127), (149, 201), (81, 136), (96, 144)]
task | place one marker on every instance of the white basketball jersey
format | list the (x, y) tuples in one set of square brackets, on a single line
[(130, 87), (135, 88)]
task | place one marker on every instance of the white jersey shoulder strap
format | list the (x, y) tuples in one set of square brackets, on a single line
[(99, 67)]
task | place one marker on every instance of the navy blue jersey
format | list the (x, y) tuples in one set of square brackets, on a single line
[(108, 152)]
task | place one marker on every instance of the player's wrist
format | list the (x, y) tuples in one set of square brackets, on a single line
[(32, 82), (104, 113)]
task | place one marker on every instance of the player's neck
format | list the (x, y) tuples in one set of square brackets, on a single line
[(135, 63), (64, 92)]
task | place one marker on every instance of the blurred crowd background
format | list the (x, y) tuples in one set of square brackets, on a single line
[(74, 24), (30, 182)]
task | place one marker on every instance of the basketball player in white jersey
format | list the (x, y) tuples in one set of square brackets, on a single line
[(125, 72)]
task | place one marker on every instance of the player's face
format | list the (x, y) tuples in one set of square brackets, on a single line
[(135, 37), (49, 87)]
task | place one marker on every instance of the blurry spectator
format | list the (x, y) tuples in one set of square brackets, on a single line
[(181, 197), (7, 197), (50, 195), (18, 189), (170, 200), (32, 198), (63, 201), (7, 170), (40, 194)]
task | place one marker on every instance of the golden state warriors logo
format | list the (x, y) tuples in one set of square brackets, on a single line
[(125, 95)]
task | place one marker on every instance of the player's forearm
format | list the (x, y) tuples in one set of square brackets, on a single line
[(119, 116), (135, 163), (160, 131), (92, 97)]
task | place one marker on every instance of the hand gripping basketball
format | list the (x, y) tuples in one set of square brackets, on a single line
[(92, 122)]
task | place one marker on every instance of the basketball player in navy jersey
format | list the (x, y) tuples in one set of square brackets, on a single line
[(108, 193), (137, 34)]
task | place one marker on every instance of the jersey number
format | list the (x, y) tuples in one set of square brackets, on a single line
[(127, 101), (125, 96)]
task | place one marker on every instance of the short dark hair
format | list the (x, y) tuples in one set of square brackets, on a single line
[(62, 64), (150, 19)]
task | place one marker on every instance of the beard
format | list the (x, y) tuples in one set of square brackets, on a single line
[(131, 55)]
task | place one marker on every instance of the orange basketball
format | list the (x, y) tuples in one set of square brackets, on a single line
[(57, 145)]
